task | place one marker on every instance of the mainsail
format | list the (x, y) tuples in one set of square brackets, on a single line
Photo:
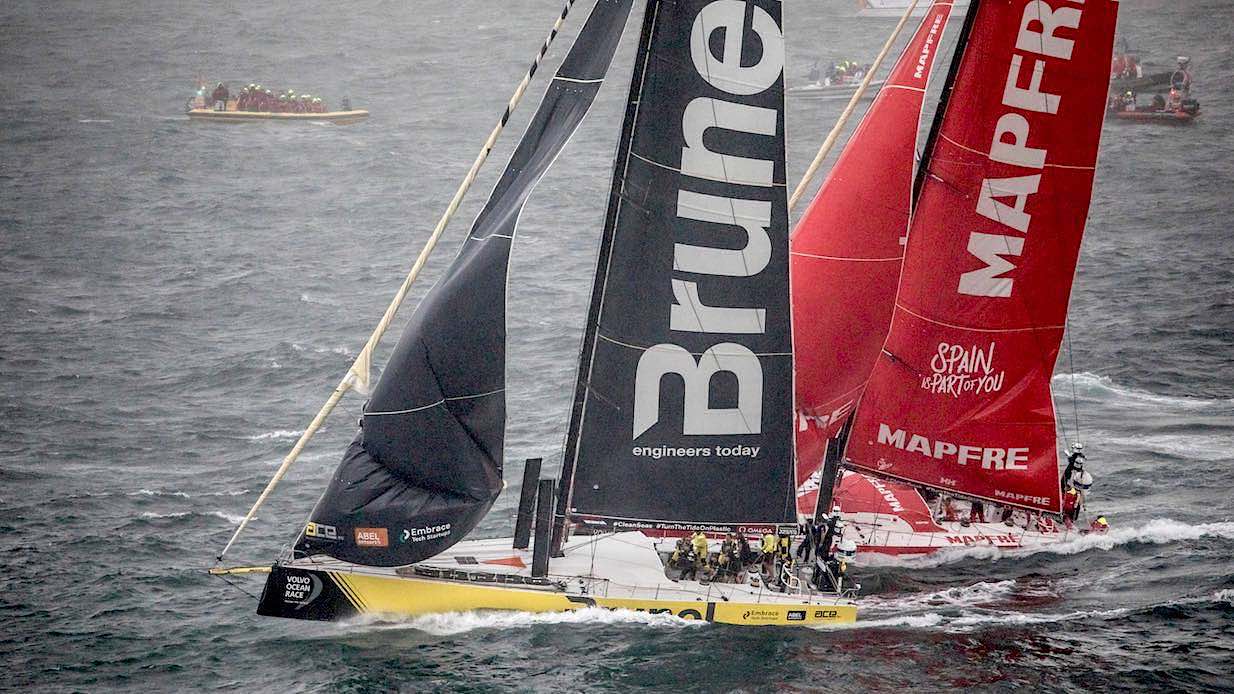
[(683, 406), (426, 464), (960, 397), (847, 251)]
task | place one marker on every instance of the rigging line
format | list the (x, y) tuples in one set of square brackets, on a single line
[(237, 587), (828, 143), (359, 371), (1075, 403)]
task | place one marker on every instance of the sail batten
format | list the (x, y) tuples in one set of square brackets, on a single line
[(960, 397), (426, 465), (685, 375)]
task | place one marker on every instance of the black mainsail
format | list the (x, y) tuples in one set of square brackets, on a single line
[(683, 408), (426, 464)]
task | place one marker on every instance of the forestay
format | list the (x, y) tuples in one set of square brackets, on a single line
[(847, 251), (960, 397), (683, 414), (426, 464)]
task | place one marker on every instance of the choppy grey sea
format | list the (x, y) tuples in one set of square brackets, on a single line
[(177, 300)]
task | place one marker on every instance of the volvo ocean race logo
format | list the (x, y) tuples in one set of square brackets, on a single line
[(301, 589), (959, 370)]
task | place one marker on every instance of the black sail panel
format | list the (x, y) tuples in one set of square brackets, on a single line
[(683, 413), (426, 465)]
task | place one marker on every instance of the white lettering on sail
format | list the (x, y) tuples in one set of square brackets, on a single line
[(754, 216), (719, 63), (725, 71), (703, 113), (960, 370), (1016, 152), (1039, 25), (689, 314), (1044, 42), (1019, 188), (919, 70), (699, 417), (990, 249), (997, 459)]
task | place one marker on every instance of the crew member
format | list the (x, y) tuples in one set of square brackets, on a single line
[(976, 512), (1181, 79), (220, 93), (808, 540), (768, 549), (834, 527), (1075, 460), (1071, 506), (1099, 526)]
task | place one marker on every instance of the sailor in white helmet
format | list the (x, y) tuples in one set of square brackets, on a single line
[(829, 572), (1075, 464), (835, 527)]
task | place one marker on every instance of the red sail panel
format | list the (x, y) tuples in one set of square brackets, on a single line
[(859, 494), (960, 397), (847, 251)]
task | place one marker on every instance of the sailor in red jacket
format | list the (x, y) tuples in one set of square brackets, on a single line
[(1071, 506)]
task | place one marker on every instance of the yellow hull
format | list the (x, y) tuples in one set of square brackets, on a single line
[(295, 593)]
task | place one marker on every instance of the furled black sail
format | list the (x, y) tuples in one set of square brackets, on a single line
[(683, 408), (426, 464)]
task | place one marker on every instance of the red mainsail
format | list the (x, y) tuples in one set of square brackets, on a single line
[(960, 397), (847, 251)]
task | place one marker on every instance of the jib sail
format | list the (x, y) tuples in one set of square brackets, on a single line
[(960, 397), (426, 464), (683, 405), (847, 251)]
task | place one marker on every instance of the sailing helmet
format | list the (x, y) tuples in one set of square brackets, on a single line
[(847, 550), (1082, 481), (1077, 446), (1102, 521), (835, 510), (1183, 61)]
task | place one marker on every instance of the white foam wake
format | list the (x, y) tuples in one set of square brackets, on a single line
[(461, 622), (956, 596), (1158, 531), (276, 434), (1090, 384), (229, 517)]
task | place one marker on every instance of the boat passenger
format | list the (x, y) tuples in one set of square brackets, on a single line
[(318, 105), (834, 527), (1181, 79), (220, 94), (744, 553)]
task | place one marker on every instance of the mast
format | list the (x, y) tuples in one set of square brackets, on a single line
[(621, 161), (944, 98)]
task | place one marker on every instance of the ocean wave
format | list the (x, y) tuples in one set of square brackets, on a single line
[(276, 434), (1158, 532), (321, 301), (1103, 387), (343, 351), (1189, 446), (975, 594), (222, 515), (450, 623), (184, 495)]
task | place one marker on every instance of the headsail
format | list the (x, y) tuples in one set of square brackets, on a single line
[(960, 396), (683, 410), (847, 250), (426, 464)]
